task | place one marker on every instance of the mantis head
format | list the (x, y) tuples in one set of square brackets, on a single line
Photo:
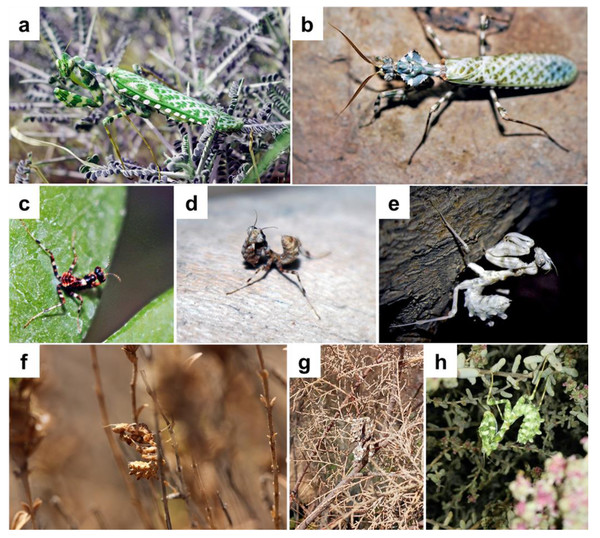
[(412, 68), (65, 65)]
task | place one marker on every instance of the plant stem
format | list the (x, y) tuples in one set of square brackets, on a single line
[(269, 403), (24, 474), (118, 456), (161, 477), (330, 497), (130, 351)]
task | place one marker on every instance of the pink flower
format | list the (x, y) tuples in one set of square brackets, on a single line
[(556, 466), (545, 495)]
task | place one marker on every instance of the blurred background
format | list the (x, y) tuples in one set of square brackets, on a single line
[(143, 259), (211, 396)]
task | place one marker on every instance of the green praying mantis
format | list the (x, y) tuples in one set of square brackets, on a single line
[(489, 432), (227, 102), (133, 94)]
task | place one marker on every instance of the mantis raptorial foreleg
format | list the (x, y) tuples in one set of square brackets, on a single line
[(491, 435)]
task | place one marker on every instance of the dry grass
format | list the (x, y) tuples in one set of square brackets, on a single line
[(357, 440), (187, 434)]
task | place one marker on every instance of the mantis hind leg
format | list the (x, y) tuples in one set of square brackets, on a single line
[(503, 114), (498, 108), (106, 122), (61, 297), (291, 271), (147, 145)]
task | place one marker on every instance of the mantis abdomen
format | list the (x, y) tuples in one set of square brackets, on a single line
[(173, 104), (511, 71)]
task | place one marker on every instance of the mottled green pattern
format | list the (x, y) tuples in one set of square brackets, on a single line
[(530, 427), (488, 433), (511, 71), (171, 103), (488, 430)]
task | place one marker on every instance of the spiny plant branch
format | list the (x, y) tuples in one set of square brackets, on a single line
[(356, 468)]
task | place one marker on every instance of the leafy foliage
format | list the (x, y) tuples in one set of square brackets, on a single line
[(468, 489)]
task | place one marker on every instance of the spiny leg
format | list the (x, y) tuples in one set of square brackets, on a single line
[(48, 251), (86, 80), (265, 268), (504, 115), (46, 310), (286, 271), (445, 98), (72, 99)]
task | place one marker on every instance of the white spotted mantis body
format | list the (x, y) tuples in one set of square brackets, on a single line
[(507, 254), (134, 95), (488, 430), (505, 71)]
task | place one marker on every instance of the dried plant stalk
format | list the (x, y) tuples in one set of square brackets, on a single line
[(269, 402), (118, 456), (131, 353), (26, 433), (356, 440)]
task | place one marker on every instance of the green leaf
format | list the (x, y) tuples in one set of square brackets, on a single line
[(153, 323), (96, 216)]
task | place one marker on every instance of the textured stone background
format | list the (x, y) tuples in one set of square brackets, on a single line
[(465, 146), (341, 285)]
